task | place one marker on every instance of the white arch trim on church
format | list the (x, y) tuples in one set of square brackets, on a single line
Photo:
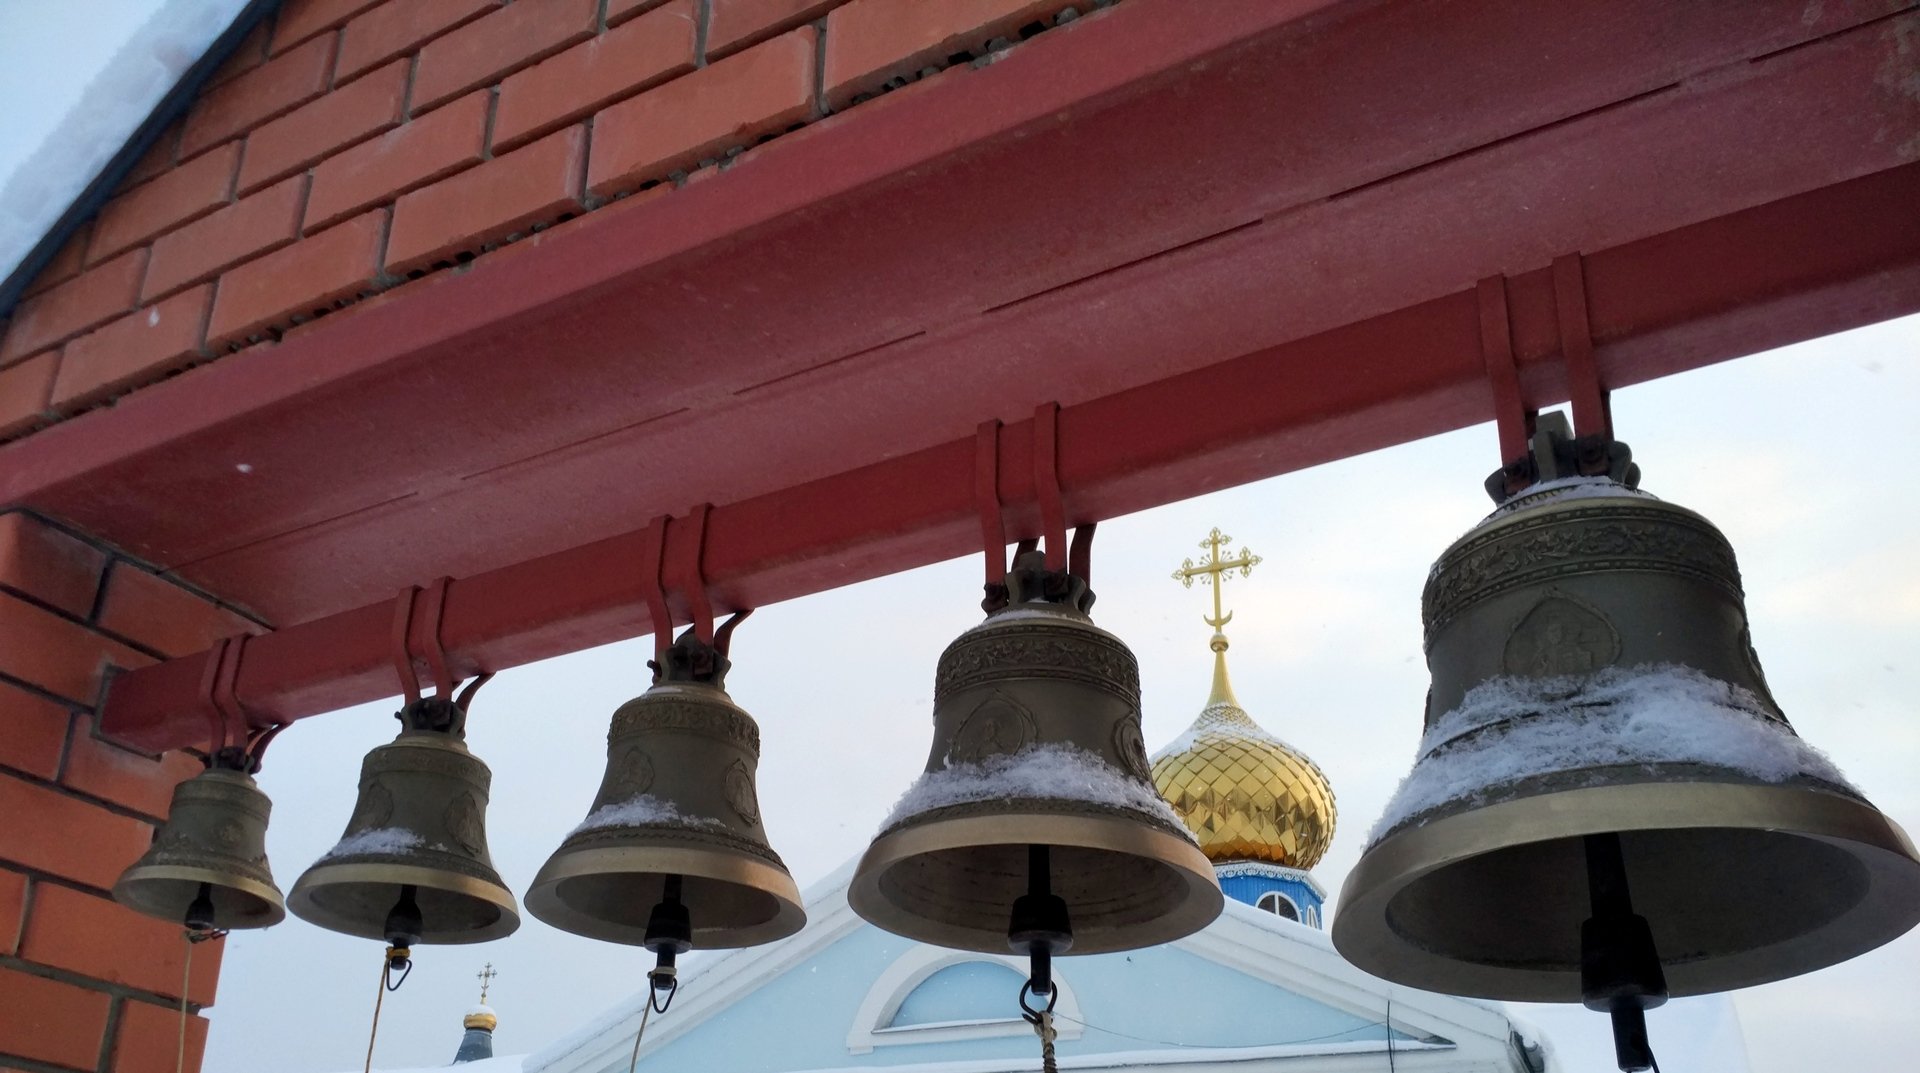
[(873, 1023)]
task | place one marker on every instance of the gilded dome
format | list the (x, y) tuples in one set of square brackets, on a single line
[(1247, 795)]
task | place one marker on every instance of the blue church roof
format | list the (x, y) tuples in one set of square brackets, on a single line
[(1254, 989)]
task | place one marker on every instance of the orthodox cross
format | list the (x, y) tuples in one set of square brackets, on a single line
[(1214, 570), (486, 976)]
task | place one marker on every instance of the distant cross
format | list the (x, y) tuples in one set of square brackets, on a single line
[(486, 976), (1214, 570)]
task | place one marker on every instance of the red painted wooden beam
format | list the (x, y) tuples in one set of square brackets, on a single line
[(1673, 301), (1139, 195)]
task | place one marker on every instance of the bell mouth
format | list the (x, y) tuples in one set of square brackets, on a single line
[(1742, 885), (952, 882), (166, 891), (354, 899), (608, 893)]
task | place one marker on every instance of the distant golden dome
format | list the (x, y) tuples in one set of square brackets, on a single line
[(481, 1016), (1247, 795)]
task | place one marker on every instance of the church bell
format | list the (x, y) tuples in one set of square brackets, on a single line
[(1036, 825), (672, 854), (412, 866), (1608, 806), (207, 867)]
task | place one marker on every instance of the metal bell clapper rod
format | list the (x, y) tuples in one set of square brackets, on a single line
[(1619, 969), (404, 927), (1039, 928), (669, 934)]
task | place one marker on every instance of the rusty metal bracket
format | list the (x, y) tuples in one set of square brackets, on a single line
[(693, 575), (993, 523), (209, 687), (652, 561), (1046, 484), (1513, 419), (1592, 412), (403, 666)]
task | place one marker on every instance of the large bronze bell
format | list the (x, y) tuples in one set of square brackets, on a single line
[(1608, 805), (412, 866), (1036, 824), (672, 853), (207, 868)]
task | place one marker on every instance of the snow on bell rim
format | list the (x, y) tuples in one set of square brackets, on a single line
[(1036, 744), (1593, 676)]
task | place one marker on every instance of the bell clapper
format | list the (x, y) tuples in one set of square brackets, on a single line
[(669, 934), (1619, 968), (404, 927), (1039, 928)]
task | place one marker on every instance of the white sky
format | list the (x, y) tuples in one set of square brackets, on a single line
[(1796, 454)]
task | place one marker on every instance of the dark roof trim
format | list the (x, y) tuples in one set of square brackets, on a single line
[(95, 195)]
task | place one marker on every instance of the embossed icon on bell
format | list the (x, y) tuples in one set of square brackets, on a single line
[(1608, 805)]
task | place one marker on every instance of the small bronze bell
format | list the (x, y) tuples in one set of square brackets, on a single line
[(1608, 805), (207, 867), (412, 866), (1036, 824), (672, 853)]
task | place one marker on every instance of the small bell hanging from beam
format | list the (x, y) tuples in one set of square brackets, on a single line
[(672, 853), (412, 866), (207, 868)]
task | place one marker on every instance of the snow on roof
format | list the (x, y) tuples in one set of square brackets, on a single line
[(123, 91), (507, 1064)]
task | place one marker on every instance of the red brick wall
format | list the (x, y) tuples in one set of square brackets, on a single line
[(84, 984), (356, 144)]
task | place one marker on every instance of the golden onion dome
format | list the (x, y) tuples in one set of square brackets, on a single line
[(1247, 795)]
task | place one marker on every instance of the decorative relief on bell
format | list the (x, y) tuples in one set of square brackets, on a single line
[(1561, 635), (678, 708), (998, 724), (1130, 746), (1033, 647), (375, 808), (465, 826), (1616, 534), (740, 795), (629, 774)]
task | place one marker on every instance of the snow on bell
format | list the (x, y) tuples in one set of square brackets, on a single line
[(1607, 804), (412, 866), (672, 853), (1036, 824), (207, 867)]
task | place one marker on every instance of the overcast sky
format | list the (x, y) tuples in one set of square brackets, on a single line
[(1798, 455)]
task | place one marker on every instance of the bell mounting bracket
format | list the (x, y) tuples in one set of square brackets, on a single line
[(699, 654), (234, 743), (1593, 452), (1065, 573), (444, 712)]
